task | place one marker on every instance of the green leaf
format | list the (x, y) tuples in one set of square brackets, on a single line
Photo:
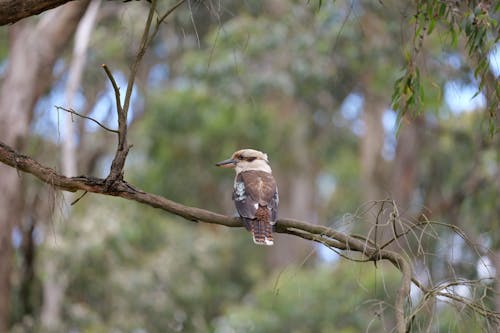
[(421, 93), (432, 25), (442, 10), (468, 27)]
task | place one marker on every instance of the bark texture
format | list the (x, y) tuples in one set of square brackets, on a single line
[(14, 10)]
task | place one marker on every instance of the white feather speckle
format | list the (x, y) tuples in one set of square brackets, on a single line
[(239, 191)]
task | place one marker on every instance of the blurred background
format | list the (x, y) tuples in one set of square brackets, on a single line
[(311, 86)]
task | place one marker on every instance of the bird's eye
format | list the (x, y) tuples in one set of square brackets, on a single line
[(250, 159)]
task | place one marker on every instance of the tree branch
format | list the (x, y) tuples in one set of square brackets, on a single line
[(162, 18), (116, 89), (85, 117), (116, 170), (14, 10)]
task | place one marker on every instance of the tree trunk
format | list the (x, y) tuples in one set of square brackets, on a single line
[(33, 51), (403, 182), (54, 286), (55, 281), (10, 206), (371, 149), (495, 260), (404, 172), (82, 38), (297, 200)]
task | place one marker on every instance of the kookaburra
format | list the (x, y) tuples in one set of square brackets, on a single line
[(255, 193)]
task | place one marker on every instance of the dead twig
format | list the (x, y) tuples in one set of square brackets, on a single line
[(85, 117), (116, 170), (116, 89), (78, 199)]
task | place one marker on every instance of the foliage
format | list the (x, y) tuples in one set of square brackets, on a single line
[(340, 299), (140, 284), (475, 23)]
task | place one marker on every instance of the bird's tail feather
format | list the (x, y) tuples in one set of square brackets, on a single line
[(268, 232), (261, 229)]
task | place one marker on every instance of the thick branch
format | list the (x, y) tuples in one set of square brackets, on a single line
[(97, 185), (13, 10)]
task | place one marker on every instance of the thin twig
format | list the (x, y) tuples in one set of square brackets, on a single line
[(163, 17), (118, 163), (116, 89), (85, 117), (78, 199), (135, 65)]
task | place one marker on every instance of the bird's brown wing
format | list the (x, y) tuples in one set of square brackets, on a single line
[(253, 189)]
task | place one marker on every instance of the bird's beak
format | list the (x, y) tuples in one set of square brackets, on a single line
[(229, 163)]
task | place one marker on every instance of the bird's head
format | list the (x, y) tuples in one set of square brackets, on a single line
[(247, 159)]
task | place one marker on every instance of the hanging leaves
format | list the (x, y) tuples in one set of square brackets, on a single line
[(472, 20)]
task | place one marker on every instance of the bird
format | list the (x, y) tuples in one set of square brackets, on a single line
[(255, 193)]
